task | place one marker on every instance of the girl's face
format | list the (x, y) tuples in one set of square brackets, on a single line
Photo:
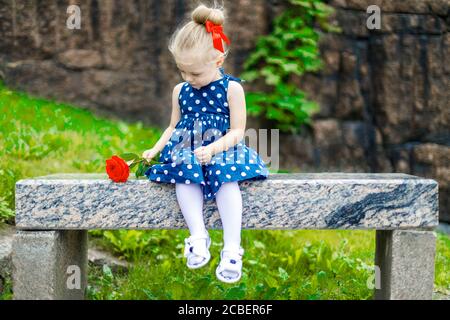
[(199, 74)]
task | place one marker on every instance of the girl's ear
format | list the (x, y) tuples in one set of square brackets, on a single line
[(220, 61)]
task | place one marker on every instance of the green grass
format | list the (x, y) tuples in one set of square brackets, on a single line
[(278, 264), (40, 137)]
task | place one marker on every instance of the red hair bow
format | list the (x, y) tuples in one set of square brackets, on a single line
[(217, 34)]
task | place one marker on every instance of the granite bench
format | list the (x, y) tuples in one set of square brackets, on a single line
[(53, 214)]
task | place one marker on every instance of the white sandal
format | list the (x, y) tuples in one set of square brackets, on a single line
[(194, 249), (231, 262)]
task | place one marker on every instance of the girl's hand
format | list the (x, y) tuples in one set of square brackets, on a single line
[(149, 154), (203, 154)]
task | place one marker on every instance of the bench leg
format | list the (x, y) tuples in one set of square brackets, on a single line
[(405, 260), (49, 265)]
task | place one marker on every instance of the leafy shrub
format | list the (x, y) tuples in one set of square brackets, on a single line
[(290, 50)]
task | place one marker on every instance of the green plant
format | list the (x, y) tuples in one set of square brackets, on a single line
[(6, 288), (133, 243), (142, 164), (6, 214), (288, 52), (102, 285)]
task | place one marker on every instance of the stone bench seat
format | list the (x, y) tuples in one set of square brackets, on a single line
[(54, 212)]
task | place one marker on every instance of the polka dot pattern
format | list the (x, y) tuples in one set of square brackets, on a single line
[(206, 119)]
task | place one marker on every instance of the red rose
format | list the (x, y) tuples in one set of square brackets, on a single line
[(117, 169)]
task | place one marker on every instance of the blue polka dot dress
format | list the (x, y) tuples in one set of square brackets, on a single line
[(205, 118)]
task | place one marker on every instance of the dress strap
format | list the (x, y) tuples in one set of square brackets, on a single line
[(230, 77)]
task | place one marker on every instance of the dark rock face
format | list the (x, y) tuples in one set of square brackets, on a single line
[(118, 62), (384, 93)]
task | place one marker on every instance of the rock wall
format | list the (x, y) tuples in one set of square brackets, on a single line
[(383, 93), (118, 62)]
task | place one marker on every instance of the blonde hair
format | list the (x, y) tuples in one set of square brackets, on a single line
[(193, 37)]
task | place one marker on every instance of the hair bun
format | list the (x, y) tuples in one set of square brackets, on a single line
[(203, 13)]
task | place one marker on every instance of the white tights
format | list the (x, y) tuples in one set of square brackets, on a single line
[(229, 203)]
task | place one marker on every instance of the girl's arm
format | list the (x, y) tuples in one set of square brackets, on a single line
[(175, 117), (236, 103)]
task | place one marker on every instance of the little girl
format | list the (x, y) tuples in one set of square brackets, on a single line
[(206, 156)]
